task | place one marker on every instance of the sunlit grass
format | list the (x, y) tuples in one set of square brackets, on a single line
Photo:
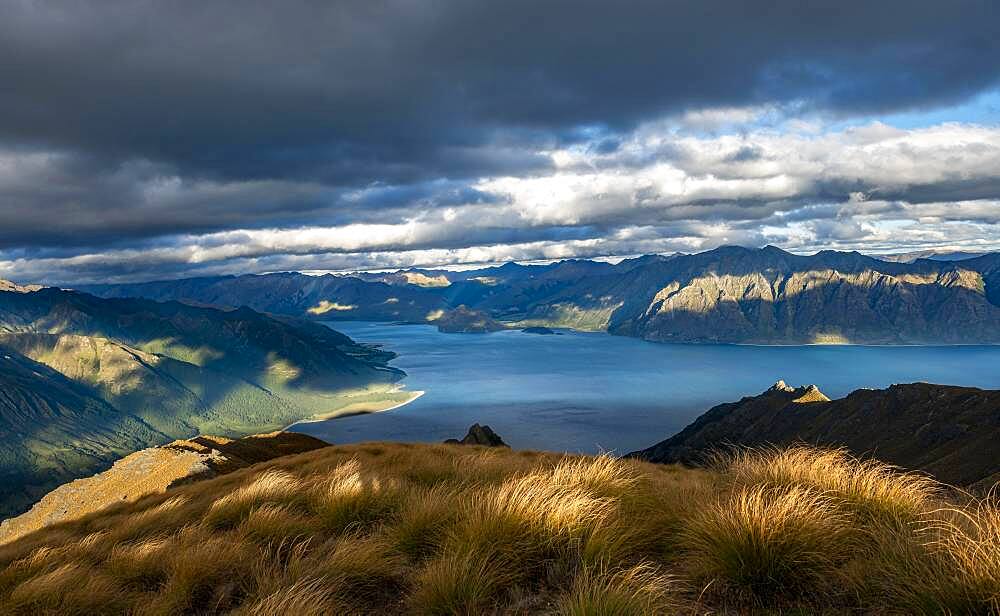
[(435, 529), (636, 591), (760, 543), (868, 488)]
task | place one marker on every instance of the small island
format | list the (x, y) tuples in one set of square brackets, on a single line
[(541, 331), (463, 320)]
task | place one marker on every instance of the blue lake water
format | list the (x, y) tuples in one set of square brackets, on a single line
[(586, 392)]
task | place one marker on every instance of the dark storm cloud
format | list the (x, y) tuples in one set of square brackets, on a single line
[(398, 90), (158, 127)]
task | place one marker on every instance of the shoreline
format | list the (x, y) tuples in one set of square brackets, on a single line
[(346, 411)]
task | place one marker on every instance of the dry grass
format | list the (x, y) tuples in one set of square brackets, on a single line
[(765, 544), (635, 591), (432, 529), (871, 490), (949, 564)]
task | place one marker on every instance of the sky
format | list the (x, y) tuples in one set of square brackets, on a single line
[(148, 139)]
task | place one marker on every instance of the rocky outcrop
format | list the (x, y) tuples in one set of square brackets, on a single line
[(154, 470), (479, 435), (953, 433)]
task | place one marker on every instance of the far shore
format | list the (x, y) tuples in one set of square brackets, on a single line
[(361, 408)]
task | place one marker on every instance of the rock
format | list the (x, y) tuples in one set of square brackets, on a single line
[(13, 287), (479, 435), (810, 393)]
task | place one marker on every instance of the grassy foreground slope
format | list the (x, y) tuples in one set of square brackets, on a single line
[(446, 529)]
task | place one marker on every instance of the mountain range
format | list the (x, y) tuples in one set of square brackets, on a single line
[(86, 380), (729, 294)]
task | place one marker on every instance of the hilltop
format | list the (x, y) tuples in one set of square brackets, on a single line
[(729, 294), (460, 529)]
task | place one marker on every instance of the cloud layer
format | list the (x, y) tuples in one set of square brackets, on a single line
[(153, 139)]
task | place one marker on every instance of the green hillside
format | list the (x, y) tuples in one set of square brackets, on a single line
[(113, 376)]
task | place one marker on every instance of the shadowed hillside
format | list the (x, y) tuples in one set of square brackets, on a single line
[(89, 380), (448, 529), (52, 429)]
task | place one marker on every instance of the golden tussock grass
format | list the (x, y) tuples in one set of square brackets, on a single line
[(435, 529), (872, 490), (764, 543), (635, 591)]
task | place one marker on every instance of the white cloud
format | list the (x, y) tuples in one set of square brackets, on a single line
[(661, 190)]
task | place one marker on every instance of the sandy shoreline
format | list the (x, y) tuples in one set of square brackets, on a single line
[(357, 408)]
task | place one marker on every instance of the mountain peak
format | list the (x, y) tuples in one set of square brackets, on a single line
[(810, 393), (770, 248), (780, 385)]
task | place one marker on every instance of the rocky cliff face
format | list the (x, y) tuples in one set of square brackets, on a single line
[(950, 432), (6, 285), (773, 297)]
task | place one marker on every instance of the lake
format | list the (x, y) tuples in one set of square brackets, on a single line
[(588, 392)]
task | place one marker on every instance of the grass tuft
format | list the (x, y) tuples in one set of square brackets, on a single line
[(765, 543), (869, 489), (352, 501), (459, 584), (640, 590), (272, 486), (950, 564), (306, 597)]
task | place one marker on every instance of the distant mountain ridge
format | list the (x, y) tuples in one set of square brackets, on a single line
[(86, 380), (950, 432), (934, 255), (730, 294)]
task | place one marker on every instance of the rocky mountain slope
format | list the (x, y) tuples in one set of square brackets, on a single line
[(953, 433), (86, 380), (729, 294)]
